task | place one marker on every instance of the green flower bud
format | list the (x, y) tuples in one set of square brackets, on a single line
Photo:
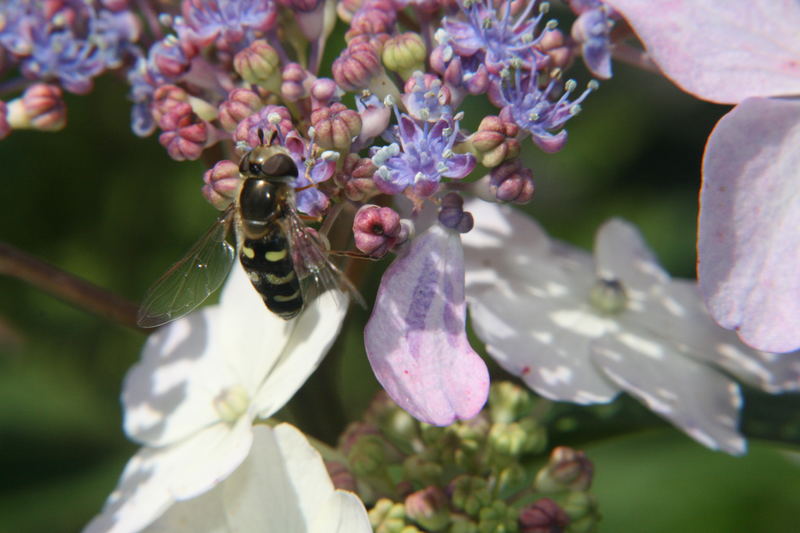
[(422, 471), (470, 494), (387, 516), (463, 525), (259, 64), (429, 508), (567, 469), (587, 524), (498, 518), (395, 423), (579, 504), (404, 54), (509, 402), (517, 438), (511, 479), (367, 456)]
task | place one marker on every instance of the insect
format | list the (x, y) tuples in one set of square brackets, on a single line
[(286, 261)]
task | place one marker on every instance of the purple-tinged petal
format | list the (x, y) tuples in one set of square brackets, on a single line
[(460, 165), (749, 243), (415, 338), (721, 51)]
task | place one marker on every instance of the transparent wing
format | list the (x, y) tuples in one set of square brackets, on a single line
[(192, 279), (313, 265)]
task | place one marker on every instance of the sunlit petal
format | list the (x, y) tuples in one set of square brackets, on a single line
[(416, 339), (722, 51), (749, 243)]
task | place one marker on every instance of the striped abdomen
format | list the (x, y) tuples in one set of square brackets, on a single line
[(268, 262)]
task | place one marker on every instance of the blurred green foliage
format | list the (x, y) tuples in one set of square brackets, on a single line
[(114, 209)]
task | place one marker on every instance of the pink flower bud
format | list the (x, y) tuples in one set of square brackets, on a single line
[(335, 126), (376, 41), (169, 58), (429, 508), (355, 66), (241, 103), (356, 178), (166, 99), (452, 214), (296, 82), (221, 183), (342, 477), (5, 127), (41, 107), (258, 64), (496, 141), (324, 91), (376, 229), (543, 516), (370, 22), (567, 469), (554, 45), (185, 134), (512, 182), (346, 9)]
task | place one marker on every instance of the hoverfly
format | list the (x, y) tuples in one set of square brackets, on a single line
[(286, 261)]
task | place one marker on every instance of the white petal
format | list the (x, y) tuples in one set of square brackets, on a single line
[(313, 335), (140, 497), (169, 394), (252, 338), (527, 301), (621, 253), (343, 512), (700, 401), (205, 514), (208, 457), (281, 485), (698, 336), (496, 230)]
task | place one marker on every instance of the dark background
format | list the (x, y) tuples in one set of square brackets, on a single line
[(114, 209)]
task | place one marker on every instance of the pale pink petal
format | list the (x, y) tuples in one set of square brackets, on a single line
[(696, 398), (416, 339), (528, 302), (169, 394), (749, 229), (721, 50)]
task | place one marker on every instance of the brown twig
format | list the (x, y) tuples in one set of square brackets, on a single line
[(67, 287)]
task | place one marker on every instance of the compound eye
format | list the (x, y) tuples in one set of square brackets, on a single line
[(278, 166)]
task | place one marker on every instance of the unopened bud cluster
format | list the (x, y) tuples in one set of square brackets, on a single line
[(473, 476)]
